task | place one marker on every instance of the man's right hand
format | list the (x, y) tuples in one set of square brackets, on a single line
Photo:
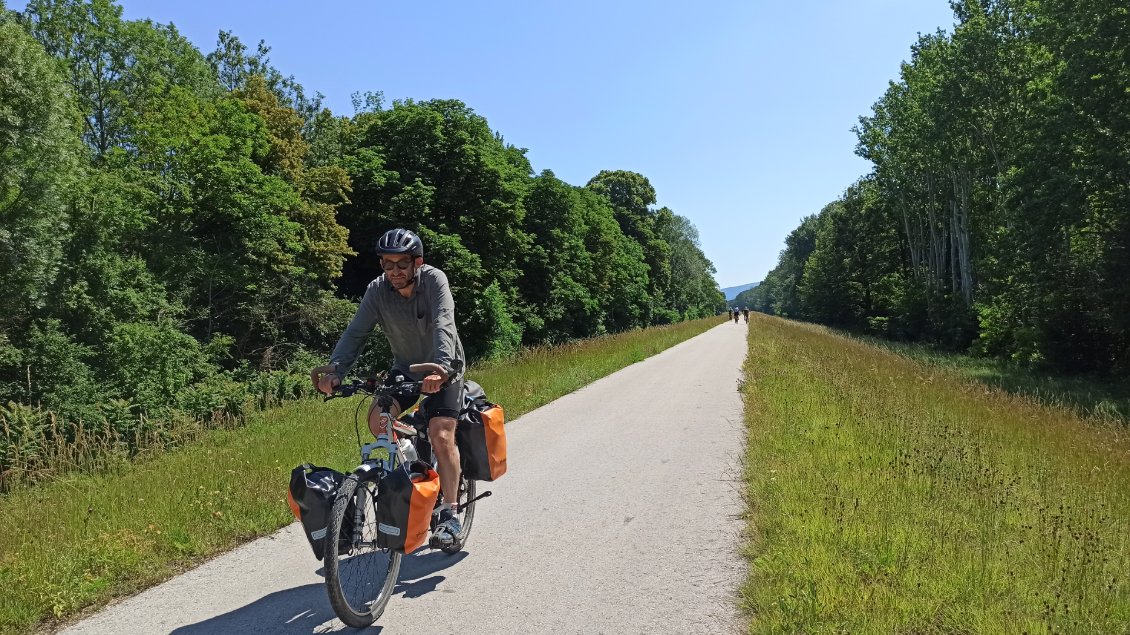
[(325, 379)]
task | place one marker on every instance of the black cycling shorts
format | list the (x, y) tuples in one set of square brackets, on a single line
[(445, 403)]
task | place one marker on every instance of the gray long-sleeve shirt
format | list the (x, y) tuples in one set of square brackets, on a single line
[(420, 328)]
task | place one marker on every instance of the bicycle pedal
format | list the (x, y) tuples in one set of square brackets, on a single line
[(434, 543)]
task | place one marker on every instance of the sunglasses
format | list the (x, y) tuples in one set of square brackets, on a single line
[(389, 265)]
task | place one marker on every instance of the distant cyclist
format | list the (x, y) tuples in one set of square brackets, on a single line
[(745, 314), (735, 315)]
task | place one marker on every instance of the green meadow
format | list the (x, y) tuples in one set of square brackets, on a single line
[(887, 495)]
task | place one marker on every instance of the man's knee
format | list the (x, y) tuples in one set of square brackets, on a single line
[(441, 432)]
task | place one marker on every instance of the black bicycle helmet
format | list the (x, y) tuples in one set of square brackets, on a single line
[(401, 241)]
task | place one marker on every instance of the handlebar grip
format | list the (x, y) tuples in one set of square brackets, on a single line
[(428, 368), (346, 390)]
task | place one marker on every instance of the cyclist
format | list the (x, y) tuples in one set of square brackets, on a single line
[(745, 314), (412, 303), (735, 315)]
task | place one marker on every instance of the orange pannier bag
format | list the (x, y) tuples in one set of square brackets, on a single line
[(405, 500), (481, 437)]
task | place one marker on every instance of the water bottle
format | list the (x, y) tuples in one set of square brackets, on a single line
[(407, 451)]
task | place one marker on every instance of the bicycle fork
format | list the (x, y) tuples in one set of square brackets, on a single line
[(359, 496)]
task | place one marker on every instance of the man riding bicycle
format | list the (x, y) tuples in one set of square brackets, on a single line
[(412, 303)]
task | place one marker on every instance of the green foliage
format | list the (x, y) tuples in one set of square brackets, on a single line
[(853, 271), (234, 68), (502, 336), (25, 430), (778, 292), (997, 217), (38, 163), (58, 372), (630, 303), (151, 363), (558, 276), (568, 263), (692, 292), (215, 398), (434, 165), (631, 196), (750, 299), (181, 234), (112, 63)]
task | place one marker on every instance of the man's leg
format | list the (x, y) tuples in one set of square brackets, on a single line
[(441, 433)]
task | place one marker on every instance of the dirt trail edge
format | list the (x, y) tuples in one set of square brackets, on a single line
[(619, 514)]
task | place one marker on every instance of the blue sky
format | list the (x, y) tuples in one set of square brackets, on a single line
[(739, 113)]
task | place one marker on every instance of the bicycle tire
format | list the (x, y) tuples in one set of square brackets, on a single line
[(351, 577)]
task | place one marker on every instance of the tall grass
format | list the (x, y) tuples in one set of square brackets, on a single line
[(891, 497), (83, 539), (37, 444), (1102, 397)]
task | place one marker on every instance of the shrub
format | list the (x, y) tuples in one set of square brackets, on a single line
[(152, 363)]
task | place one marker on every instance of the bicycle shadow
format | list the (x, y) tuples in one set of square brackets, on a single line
[(297, 611), (306, 609), (412, 584)]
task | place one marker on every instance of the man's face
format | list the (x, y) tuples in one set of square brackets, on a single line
[(399, 269)]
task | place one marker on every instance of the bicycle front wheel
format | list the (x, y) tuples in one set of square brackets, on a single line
[(360, 576)]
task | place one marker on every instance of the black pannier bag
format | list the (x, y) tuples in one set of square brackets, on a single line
[(405, 500), (311, 498), (481, 436)]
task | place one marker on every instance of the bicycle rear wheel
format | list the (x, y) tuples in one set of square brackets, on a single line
[(360, 576)]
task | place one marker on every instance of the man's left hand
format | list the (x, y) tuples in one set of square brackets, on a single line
[(432, 384)]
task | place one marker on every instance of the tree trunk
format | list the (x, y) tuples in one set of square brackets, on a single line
[(962, 278), (911, 239)]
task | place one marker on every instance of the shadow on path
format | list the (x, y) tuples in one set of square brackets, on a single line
[(306, 609)]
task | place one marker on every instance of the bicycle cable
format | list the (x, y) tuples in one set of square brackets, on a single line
[(357, 422)]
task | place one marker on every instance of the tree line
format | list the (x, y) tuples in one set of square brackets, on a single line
[(176, 226), (996, 217)]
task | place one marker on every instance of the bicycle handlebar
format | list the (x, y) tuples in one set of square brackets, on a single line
[(371, 387), (402, 386)]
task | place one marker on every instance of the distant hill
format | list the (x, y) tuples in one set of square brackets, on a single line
[(744, 300), (732, 292)]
